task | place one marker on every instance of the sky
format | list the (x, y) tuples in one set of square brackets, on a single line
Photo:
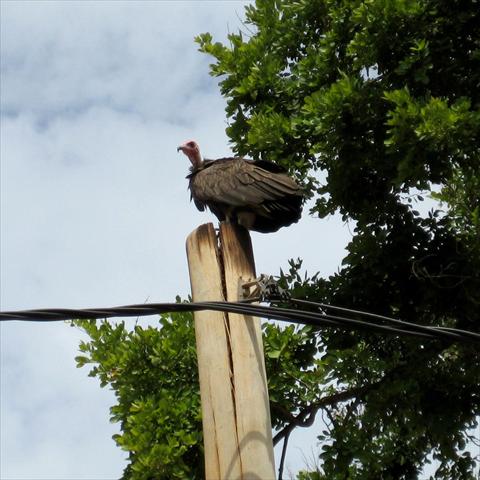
[(95, 98)]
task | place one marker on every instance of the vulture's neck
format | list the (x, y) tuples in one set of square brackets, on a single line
[(197, 164), (196, 161)]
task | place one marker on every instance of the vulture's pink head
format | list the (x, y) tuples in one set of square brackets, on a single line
[(191, 149)]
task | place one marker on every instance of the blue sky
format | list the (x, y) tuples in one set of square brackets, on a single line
[(95, 97)]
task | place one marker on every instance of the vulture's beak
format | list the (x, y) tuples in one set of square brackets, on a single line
[(179, 148)]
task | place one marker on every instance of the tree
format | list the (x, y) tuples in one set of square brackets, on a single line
[(380, 100), (153, 372)]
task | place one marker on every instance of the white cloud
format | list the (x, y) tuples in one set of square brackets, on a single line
[(65, 57), (94, 205)]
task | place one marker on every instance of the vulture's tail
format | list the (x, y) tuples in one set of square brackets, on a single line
[(278, 213)]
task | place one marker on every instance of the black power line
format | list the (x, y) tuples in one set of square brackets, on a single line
[(318, 319), (392, 321)]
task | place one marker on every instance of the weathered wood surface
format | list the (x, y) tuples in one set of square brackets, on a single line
[(218, 411), (249, 380), (233, 387)]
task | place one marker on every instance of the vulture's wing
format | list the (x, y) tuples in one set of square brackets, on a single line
[(239, 183), (258, 195)]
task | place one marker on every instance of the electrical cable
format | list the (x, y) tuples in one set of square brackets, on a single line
[(401, 323), (320, 319)]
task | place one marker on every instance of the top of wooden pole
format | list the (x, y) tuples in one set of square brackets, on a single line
[(222, 459), (237, 252), (235, 406), (248, 362)]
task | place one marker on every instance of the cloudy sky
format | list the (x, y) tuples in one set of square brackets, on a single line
[(95, 97)]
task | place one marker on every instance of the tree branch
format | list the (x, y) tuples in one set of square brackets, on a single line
[(284, 452), (307, 416)]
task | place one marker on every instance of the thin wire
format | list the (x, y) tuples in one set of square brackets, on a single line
[(320, 319), (311, 318), (424, 328)]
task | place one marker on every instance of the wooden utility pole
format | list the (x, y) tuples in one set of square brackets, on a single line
[(233, 385)]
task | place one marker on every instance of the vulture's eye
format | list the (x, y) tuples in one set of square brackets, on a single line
[(190, 144)]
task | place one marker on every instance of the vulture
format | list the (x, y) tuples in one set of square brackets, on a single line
[(258, 195)]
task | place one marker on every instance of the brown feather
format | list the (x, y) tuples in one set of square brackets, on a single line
[(260, 195)]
